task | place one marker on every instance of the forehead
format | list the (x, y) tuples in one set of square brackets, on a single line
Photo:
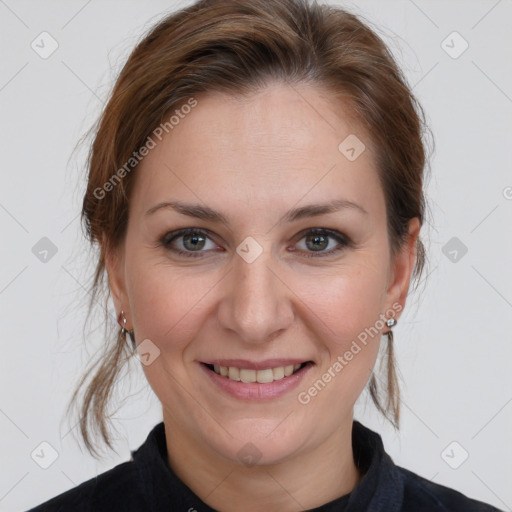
[(278, 146)]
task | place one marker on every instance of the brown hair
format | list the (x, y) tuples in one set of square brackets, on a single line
[(238, 46)]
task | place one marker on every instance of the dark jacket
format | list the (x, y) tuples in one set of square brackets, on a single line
[(147, 483)]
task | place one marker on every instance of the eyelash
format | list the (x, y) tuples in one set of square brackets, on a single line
[(170, 237)]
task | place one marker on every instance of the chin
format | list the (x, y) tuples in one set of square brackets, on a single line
[(254, 446)]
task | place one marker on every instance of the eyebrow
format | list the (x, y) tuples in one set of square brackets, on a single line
[(206, 213)]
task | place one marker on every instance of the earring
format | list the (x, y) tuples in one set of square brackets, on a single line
[(391, 322), (122, 322), (393, 398)]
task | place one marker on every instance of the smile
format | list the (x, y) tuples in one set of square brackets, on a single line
[(247, 375), (264, 380)]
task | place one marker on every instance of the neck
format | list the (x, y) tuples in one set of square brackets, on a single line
[(304, 481)]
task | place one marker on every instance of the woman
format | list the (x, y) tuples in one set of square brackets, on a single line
[(256, 191)]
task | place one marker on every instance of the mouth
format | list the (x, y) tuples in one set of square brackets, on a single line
[(258, 381), (266, 375)]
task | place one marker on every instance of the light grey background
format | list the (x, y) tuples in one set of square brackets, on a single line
[(454, 341)]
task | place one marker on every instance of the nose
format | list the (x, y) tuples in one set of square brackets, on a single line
[(256, 304)]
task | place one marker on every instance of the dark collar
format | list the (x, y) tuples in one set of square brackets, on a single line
[(380, 489)]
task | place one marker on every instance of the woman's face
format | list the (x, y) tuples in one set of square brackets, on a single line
[(259, 289)]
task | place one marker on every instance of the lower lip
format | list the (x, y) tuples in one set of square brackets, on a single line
[(255, 391)]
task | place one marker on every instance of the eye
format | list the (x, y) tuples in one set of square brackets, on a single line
[(317, 240), (190, 242)]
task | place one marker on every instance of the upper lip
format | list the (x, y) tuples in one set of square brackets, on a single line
[(255, 365)]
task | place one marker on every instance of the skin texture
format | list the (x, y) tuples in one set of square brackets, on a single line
[(253, 159)]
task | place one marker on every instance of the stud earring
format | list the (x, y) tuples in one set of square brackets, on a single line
[(390, 322)]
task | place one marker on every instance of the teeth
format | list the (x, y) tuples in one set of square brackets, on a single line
[(247, 375), (233, 373), (288, 370), (261, 376), (278, 373)]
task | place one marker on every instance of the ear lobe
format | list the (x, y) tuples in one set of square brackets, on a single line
[(403, 266)]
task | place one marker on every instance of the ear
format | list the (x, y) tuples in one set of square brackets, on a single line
[(402, 267), (114, 264)]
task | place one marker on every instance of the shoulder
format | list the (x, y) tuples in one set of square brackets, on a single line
[(422, 495), (116, 489)]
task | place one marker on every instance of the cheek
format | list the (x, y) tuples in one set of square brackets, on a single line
[(168, 309), (347, 307), (346, 301), (168, 303), (348, 324)]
